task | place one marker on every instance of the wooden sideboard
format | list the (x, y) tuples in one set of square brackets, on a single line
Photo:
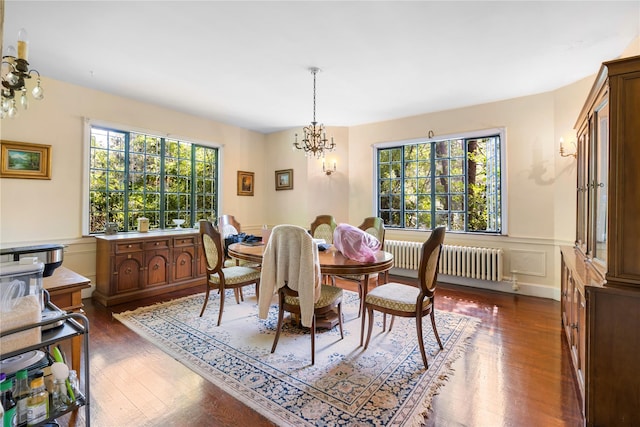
[(131, 266), (600, 294)]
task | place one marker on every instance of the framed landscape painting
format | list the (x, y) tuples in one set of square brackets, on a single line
[(245, 183), (25, 160), (284, 179)]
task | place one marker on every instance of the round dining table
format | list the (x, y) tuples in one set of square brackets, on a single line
[(332, 263)]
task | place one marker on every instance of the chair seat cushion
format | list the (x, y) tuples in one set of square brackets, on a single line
[(328, 296), (236, 274), (395, 296)]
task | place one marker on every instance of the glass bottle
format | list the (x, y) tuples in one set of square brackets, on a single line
[(21, 394), (38, 402), (8, 403), (74, 383), (60, 399)]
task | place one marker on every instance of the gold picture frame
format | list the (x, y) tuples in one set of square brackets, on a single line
[(25, 160), (245, 183), (284, 179)]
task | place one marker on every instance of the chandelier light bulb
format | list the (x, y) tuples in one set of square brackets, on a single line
[(11, 52), (23, 44)]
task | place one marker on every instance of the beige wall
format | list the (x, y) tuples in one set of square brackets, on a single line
[(314, 193), (539, 192)]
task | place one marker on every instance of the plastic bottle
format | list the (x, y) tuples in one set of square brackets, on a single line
[(38, 402), (21, 394), (7, 401)]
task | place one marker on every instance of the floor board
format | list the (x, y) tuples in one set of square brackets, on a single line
[(516, 371)]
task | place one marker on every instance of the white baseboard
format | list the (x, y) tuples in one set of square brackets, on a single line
[(521, 288)]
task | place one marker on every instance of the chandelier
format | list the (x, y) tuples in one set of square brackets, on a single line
[(315, 141), (15, 70)]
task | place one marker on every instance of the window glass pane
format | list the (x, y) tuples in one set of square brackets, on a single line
[(410, 203), (133, 175), (424, 221), (454, 182), (410, 220)]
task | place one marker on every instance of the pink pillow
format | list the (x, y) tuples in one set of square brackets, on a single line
[(355, 244)]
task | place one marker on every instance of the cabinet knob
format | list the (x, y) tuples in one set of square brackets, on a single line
[(157, 243), (128, 246), (574, 326), (183, 262), (155, 267)]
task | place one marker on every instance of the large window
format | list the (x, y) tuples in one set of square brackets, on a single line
[(132, 175), (455, 182)]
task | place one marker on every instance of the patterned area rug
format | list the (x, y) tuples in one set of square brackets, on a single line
[(385, 385)]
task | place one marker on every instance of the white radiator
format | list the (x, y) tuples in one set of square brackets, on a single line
[(462, 261)]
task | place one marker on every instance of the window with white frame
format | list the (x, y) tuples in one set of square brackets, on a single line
[(133, 175), (455, 182)]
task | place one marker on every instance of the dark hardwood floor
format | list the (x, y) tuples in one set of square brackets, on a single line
[(516, 371)]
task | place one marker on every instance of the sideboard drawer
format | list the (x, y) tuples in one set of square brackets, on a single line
[(184, 241), (156, 244), (126, 247)]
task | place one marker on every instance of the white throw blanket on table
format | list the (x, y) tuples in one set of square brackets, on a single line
[(290, 258)]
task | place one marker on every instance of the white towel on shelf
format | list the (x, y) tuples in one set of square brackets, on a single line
[(291, 257)]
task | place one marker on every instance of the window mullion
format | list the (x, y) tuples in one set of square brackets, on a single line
[(402, 189), (432, 179), (127, 182), (163, 196), (465, 170), (192, 189)]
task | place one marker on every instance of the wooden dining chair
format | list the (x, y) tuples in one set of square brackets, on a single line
[(322, 227), (399, 299), (218, 276), (291, 267), (374, 226), (229, 226)]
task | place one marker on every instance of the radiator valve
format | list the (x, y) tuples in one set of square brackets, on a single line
[(514, 283)]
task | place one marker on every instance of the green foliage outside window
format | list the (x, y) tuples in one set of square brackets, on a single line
[(135, 175), (453, 182)]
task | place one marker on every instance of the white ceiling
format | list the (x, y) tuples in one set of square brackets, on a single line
[(246, 63)]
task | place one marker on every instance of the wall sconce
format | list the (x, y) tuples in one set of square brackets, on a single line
[(329, 171), (563, 152)]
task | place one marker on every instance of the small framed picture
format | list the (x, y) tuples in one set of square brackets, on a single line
[(245, 183), (284, 179), (25, 160)]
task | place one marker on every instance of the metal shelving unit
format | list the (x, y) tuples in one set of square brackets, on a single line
[(74, 324)]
